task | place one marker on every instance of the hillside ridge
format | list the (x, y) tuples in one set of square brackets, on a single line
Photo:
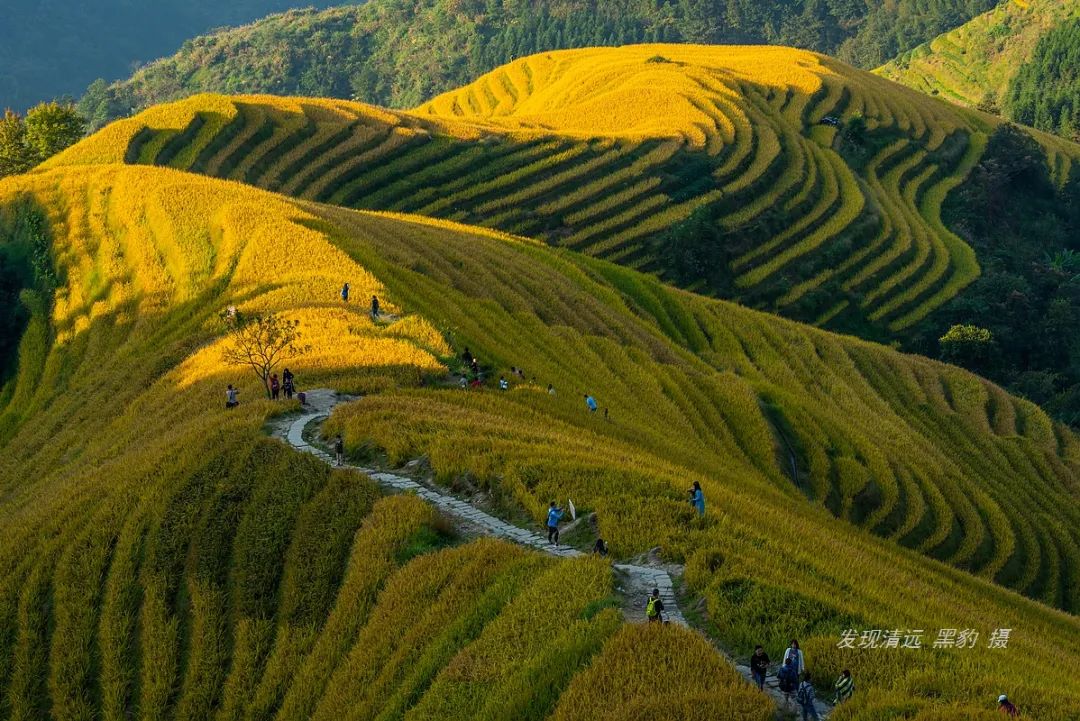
[(750, 140), (977, 63)]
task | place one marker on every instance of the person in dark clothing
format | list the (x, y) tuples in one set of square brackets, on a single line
[(374, 307), (475, 368), (654, 607), (600, 548), (275, 387), (787, 677), (287, 383), (759, 666), (345, 293), (806, 698), (339, 449), (466, 357), (1007, 707)]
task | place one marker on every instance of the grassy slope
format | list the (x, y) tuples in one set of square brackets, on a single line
[(145, 500), (607, 150), (160, 558), (979, 59)]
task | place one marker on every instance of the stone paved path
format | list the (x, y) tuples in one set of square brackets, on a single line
[(320, 402)]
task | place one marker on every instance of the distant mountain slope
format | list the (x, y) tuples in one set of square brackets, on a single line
[(775, 177), (400, 53), (48, 49), (608, 151), (162, 558), (976, 63), (1046, 91)]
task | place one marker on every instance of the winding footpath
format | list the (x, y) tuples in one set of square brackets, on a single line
[(322, 401)]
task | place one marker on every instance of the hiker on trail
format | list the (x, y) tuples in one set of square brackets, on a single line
[(654, 607), (551, 390), (374, 307), (759, 666), (503, 385), (591, 403), (805, 697), (600, 548), (231, 397), (466, 357), (787, 678), (464, 383), (275, 387), (697, 499), (339, 449), (554, 514), (477, 382), (287, 382), (520, 373), (475, 367), (1006, 706), (845, 686), (606, 413), (345, 292), (795, 654)]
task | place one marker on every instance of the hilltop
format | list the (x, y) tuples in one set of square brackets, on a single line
[(776, 177), (175, 544), (400, 53), (990, 61)]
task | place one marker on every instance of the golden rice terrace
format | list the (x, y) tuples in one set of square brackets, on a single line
[(607, 151)]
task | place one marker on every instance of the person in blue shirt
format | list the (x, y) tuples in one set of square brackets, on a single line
[(554, 514), (591, 403), (345, 292), (697, 498)]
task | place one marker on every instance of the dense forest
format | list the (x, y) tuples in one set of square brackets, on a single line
[(401, 52), (1046, 90), (51, 49), (1026, 231)]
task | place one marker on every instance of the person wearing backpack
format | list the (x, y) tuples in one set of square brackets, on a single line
[(654, 607), (787, 678), (759, 666), (805, 697)]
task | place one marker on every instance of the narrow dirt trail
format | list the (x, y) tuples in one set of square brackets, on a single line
[(634, 581)]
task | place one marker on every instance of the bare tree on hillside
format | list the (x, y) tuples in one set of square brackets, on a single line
[(261, 342)]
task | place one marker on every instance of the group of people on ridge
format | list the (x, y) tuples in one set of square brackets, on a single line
[(794, 678), (287, 384)]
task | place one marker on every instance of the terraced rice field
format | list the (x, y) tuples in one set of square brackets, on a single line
[(978, 60), (606, 151), (162, 558), (158, 561)]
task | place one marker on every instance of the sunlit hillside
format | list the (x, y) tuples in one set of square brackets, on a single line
[(627, 154), (160, 558), (975, 63)]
